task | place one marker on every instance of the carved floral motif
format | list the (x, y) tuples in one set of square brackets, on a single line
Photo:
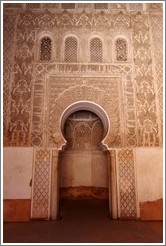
[(9, 34), (156, 24), (145, 97)]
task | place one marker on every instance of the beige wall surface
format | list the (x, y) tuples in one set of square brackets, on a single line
[(149, 172), (84, 169), (17, 172)]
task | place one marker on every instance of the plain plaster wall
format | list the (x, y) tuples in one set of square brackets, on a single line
[(17, 172), (83, 168), (149, 173)]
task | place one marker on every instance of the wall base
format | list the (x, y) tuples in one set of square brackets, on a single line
[(19, 209), (151, 210), (16, 210), (83, 192)]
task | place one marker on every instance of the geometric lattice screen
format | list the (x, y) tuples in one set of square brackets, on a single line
[(127, 194), (121, 49), (96, 50), (71, 49), (101, 5), (40, 204), (32, 5), (68, 5), (45, 49)]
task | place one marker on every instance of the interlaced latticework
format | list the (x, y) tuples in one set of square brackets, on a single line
[(121, 49), (83, 130), (136, 6), (82, 135), (127, 183), (101, 5), (97, 132), (96, 50), (32, 5), (40, 202), (68, 5), (84, 5), (45, 49), (117, 5), (71, 49)]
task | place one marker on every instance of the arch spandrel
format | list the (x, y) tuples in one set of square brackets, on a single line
[(90, 94)]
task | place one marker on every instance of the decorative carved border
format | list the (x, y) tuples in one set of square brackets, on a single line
[(40, 204), (156, 27), (148, 126), (88, 93), (127, 207), (9, 30), (75, 71)]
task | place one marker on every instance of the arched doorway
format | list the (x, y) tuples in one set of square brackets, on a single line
[(57, 155), (83, 160)]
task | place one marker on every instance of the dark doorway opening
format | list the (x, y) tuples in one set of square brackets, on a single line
[(83, 164)]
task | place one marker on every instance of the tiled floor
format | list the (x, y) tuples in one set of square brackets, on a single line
[(84, 221)]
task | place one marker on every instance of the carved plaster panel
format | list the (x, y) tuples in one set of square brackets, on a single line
[(20, 110), (8, 57), (46, 19), (156, 25), (40, 205), (126, 184), (84, 93), (83, 130), (140, 124), (148, 127), (121, 77)]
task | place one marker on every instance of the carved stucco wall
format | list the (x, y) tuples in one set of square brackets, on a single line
[(138, 81), (141, 98), (37, 93), (9, 34)]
